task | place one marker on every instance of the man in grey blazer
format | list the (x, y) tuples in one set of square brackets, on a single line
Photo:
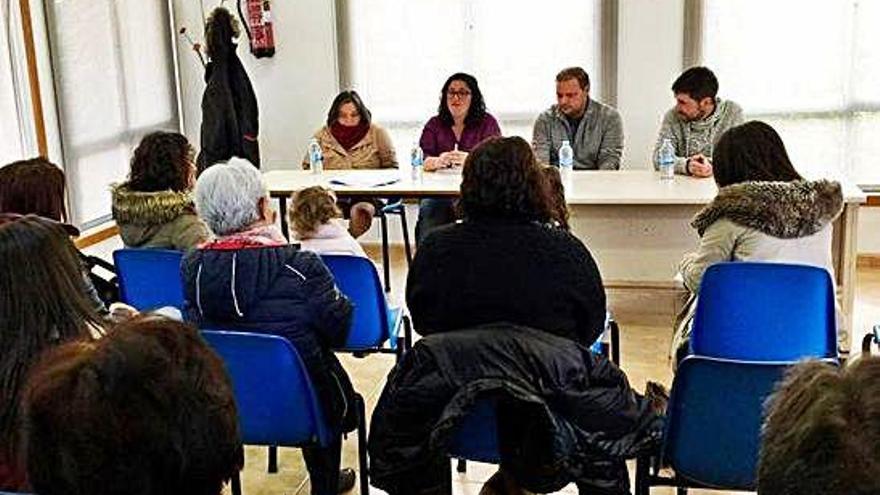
[(594, 130)]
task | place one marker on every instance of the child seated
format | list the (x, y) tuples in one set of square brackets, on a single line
[(316, 223)]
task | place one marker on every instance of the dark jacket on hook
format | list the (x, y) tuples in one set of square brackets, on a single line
[(230, 115)]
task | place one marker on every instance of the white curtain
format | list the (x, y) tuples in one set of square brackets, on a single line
[(810, 69), (16, 122)]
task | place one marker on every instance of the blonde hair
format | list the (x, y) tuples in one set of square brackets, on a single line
[(312, 207)]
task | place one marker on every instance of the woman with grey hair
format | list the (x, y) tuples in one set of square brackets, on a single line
[(250, 279)]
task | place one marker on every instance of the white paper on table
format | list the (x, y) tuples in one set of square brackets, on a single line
[(373, 179)]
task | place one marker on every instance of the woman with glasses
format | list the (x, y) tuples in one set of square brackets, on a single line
[(460, 125), (350, 140)]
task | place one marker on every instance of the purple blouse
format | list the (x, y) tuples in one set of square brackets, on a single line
[(438, 138)]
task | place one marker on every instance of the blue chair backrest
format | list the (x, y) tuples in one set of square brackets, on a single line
[(714, 420), (356, 277), (276, 402), (476, 438), (149, 278), (765, 312)]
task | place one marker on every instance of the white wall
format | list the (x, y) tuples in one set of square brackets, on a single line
[(649, 59), (294, 88)]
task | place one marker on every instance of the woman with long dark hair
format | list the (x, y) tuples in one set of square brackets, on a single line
[(42, 305), (351, 140), (154, 208), (764, 211), (461, 123)]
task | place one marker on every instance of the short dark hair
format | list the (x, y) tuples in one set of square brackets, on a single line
[(43, 303), (578, 73), (476, 111), (348, 96), (34, 186), (162, 161), (502, 179), (751, 152), (822, 431), (697, 82), (146, 410)]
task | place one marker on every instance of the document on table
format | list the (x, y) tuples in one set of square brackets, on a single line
[(367, 179)]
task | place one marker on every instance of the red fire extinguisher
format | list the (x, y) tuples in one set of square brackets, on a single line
[(258, 24)]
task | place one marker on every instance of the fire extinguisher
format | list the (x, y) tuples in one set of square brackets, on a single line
[(258, 25)]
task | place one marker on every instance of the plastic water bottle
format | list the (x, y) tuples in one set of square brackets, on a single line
[(566, 162), (417, 162), (316, 157), (666, 160)]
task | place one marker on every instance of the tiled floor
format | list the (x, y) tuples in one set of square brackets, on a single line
[(644, 350)]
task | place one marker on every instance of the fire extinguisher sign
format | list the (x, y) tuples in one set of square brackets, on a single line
[(258, 25)]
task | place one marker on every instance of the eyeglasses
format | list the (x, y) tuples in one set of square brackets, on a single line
[(460, 94)]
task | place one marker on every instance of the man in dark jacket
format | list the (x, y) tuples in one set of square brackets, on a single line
[(564, 414), (230, 115)]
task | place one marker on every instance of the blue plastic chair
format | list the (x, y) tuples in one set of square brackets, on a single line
[(476, 437), (374, 323), (149, 278), (277, 405), (765, 312), (713, 426)]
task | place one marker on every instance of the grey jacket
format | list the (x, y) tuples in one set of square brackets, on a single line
[(690, 138), (598, 140)]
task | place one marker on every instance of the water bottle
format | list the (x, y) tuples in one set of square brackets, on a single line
[(417, 162), (566, 163), (316, 157), (666, 160)]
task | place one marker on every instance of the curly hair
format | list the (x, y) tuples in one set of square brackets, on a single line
[(821, 434), (751, 152), (151, 401), (312, 207), (34, 186), (162, 161), (555, 194), (220, 29), (502, 179), (477, 110)]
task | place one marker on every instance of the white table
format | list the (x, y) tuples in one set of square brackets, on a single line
[(636, 226)]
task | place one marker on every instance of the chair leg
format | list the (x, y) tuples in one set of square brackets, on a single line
[(363, 467), (461, 466), (236, 484), (273, 459), (386, 263), (643, 486), (405, 228), (681, 490), (615, 342)]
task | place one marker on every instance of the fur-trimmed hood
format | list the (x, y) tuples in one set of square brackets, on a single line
[(149, 208), (786, 210)]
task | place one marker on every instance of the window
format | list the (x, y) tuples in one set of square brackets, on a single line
[(114, 81), (810, 69), (399, 53), (15, 111)]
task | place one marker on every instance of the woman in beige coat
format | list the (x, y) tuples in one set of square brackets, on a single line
[(764, 211), (351, 141)]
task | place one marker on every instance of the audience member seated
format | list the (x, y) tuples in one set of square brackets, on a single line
[(42, 305), (36, 187), (317, 223), (250, 279), (564, 414), (154, 208), (503, 262), (697, 122), (461, 123), (350, 140), (764, 211), (593, 129), (821, 436), (146, 410)]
